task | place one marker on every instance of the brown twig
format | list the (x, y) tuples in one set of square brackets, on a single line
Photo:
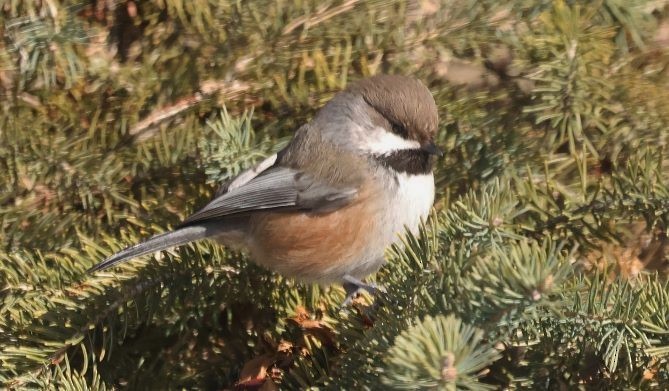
[(146, 127), (320, 16)]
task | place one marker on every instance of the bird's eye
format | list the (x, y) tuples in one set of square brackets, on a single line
[(399, 130)]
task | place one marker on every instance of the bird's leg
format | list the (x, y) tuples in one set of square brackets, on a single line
[(353, 286)]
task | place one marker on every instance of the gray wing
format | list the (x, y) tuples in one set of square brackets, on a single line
[(275, 188), (246, 175)]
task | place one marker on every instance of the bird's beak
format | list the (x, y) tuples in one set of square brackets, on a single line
[(432, 149)]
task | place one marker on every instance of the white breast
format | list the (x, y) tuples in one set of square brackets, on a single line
[(412, 201)]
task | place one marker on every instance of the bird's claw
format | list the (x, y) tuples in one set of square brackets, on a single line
[(353, 287)]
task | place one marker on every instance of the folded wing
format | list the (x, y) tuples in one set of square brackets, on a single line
[(276, 188)]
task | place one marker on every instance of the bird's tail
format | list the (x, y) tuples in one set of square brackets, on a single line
[(160, 242)]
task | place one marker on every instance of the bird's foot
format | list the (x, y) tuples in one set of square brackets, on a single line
[(353, 287)]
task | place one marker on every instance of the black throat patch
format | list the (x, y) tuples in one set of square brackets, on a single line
[(410, 161)]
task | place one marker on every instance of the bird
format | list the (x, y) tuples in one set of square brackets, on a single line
[(326, 207)]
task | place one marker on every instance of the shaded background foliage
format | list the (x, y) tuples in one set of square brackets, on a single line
[(544, 264)]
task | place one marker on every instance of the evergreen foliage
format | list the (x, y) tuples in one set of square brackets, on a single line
[(544, 264)]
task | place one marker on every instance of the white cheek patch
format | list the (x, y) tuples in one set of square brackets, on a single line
[(381, 141)]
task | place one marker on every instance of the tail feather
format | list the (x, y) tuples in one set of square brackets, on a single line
[(157, 243)]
